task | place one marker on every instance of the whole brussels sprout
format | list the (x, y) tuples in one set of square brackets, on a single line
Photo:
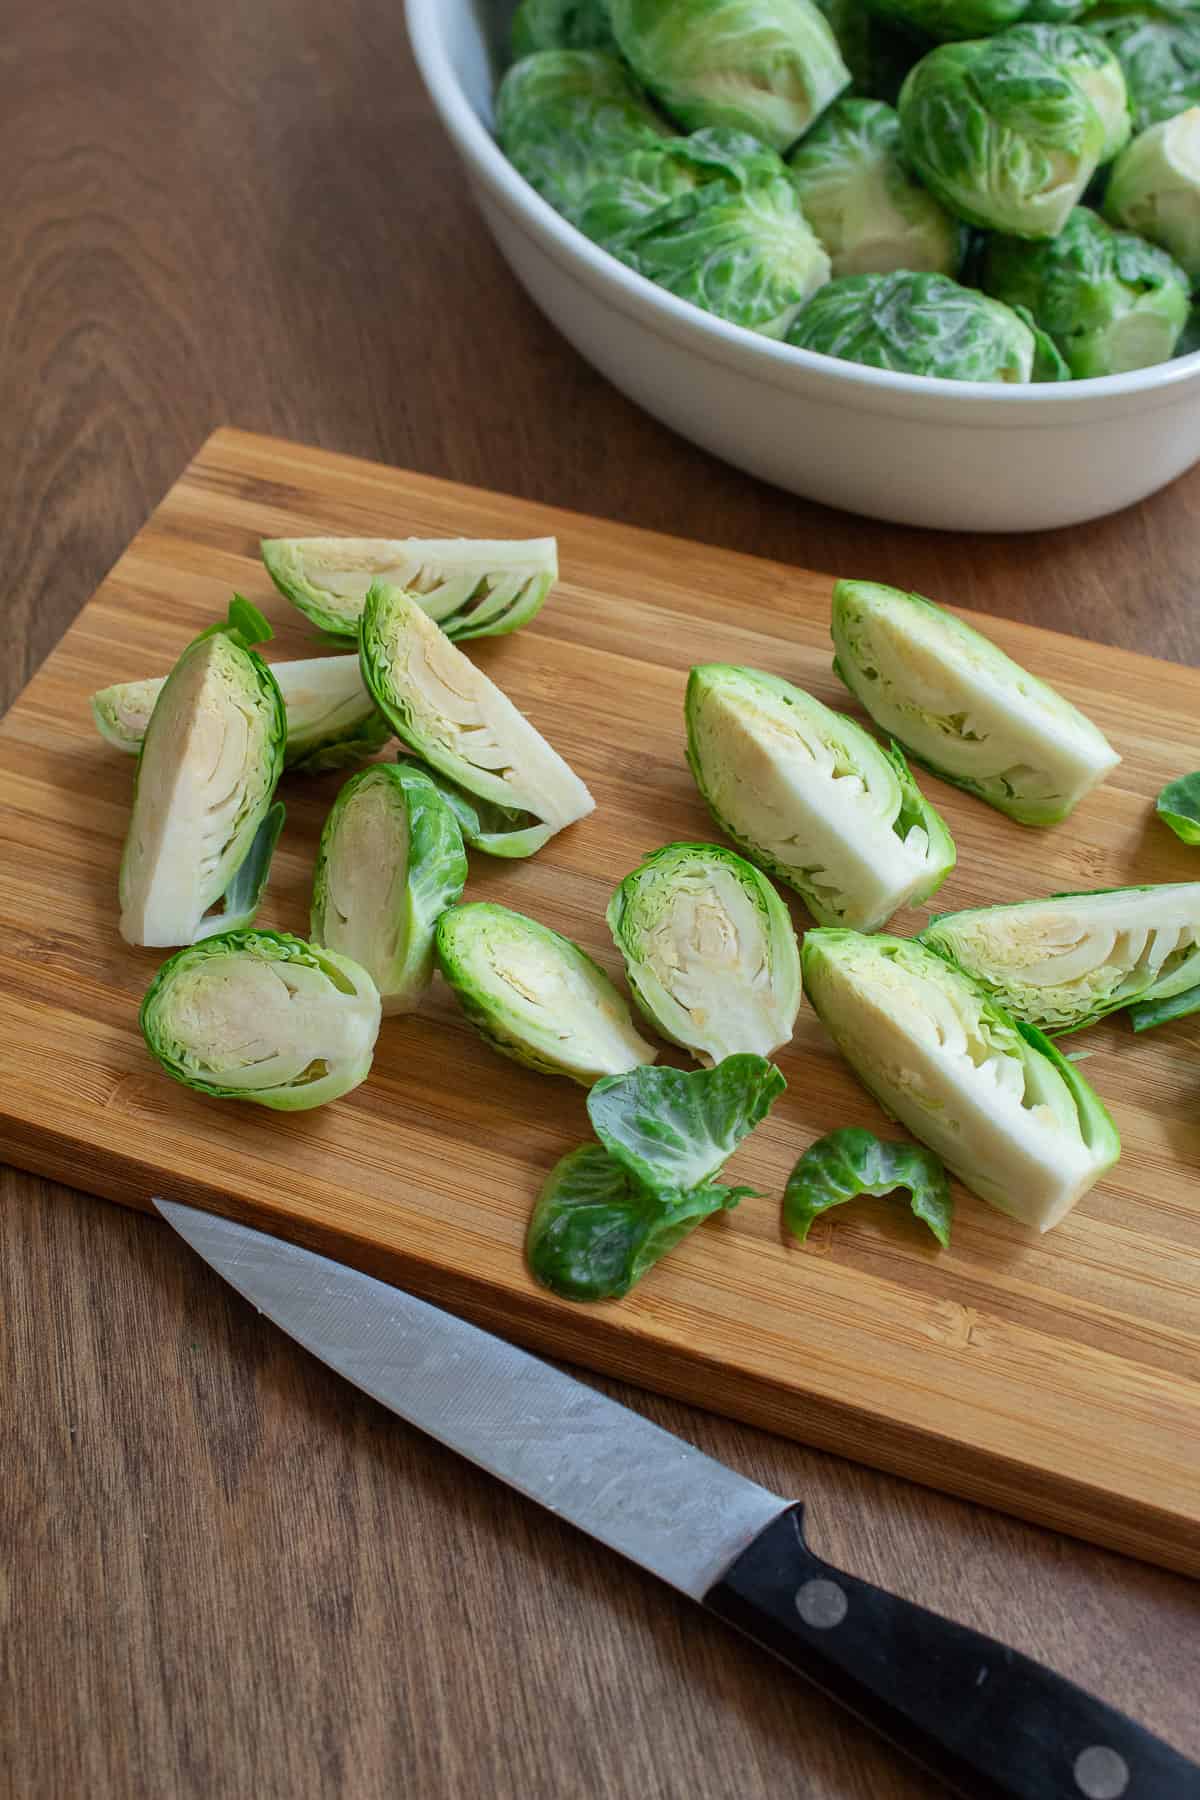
[(1110, 301), (739, 247), (1158, 48), (644, 180), (877, 52), (856, 192), (925, 325), (560, 25), (1154, 188), (950, 20), (562, 116), (766, 66), (1001, 131)]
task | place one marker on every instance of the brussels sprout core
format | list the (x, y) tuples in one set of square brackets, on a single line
[(1154, 189)]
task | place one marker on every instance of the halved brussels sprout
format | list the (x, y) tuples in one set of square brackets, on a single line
[(564, 116), (536, 996), (260, 1015), (332, 721), (856, 192), (1001, 130), (951, 20), (203, 828), (963, 708), (560, 25), (391, 861), (1063, 963), (1154, 188), (997, 1102), (1110, 301), (812, 797), (472, 587), (922, 324), (709, 951), (1158, 48), (769, 67), (452, 717)]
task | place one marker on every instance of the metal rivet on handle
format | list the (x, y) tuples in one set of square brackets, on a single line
[(822, 1604), (1101, 1773)]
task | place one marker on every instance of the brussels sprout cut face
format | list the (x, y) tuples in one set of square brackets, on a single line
[(203, 828), (858, 196), (391, 861), (919, 325), (709, 950), (1154, 189), (1001, 131), (1002, 1108), (564, 116), (1158, 48), (471, 587), (962, 707), (767, 68), (536, 996), (257, 1015), (1110, 301), (810, 796), (1063, 963), (449, 713)]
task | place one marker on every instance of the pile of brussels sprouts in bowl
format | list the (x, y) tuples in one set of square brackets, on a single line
[(976, 190)]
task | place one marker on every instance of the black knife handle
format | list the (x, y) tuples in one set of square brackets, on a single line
[(992, 1724)]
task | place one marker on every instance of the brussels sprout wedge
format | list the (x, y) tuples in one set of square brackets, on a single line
[(203, 827), (453, 718), (812, 797), (1063, 963), (259, 1015), (536, 996), (709, 950), (1006, 1112), (332, 721), (767, 68), (1154, 189), (962, 708), (472, 587), (391, 861)]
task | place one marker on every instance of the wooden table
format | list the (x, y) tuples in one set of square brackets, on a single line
[(225, 1572)]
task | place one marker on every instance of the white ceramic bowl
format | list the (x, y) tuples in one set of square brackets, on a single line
[(950, 454)]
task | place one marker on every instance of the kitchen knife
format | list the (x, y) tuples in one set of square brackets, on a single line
[(991, 1723)]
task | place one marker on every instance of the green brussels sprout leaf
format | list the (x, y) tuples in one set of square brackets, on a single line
[(1144, 1015), (1178, 805), (672, 1128), (844, 1164)]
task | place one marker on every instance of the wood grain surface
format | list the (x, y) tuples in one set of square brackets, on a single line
[(225, 1572), (1058, 1377)]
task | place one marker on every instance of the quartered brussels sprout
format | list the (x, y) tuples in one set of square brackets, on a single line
[(856, 192), (709, 951), (1001, 130), (1158, 48), (769, 67), (560, 25), (742, 250), (963, 708), (1006, 1112), (1063, 963), (812, 797), (1110, 301), (925, 324), (1154, 189), (563, 116), (391, 861), (471, 587), (951, 20), (456, 720), (259, 1015), (332, 721), (203, 829), (536, 996)]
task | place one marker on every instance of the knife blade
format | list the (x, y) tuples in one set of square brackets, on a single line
[(991, 1723)]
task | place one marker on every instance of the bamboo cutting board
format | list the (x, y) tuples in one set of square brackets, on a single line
[(1056, 1377)]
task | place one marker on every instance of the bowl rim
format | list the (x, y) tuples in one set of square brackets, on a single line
[(766, 358)]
